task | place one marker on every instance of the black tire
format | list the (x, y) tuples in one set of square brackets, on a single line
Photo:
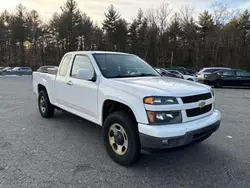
[(46, 109), (132, 154), (218, 84)]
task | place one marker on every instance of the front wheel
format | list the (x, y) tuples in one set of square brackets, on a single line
[(45, 107), (121, 138)]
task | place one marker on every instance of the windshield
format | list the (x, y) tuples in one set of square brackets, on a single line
[(174, 72), (123, 65), (211, 70), (6, 68)]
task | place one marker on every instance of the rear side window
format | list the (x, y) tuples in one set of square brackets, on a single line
[(242, 73), (228, 73), (65, 65), (174, 72), (25, 69), (81, 62)]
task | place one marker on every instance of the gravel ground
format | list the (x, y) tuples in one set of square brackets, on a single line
[(67, 151)]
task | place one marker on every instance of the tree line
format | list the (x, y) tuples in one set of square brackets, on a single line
[(218, 37)]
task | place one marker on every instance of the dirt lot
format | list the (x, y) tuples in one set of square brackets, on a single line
[(67, 151)]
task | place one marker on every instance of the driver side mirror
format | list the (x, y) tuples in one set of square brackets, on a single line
[(85, 74)]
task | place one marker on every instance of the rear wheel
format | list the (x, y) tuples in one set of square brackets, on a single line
[(46, 109), (121, 138), (218, 83)]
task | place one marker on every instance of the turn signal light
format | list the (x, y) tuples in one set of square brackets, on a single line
[(151, 117), (149, 100)]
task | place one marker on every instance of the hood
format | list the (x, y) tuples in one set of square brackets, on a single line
[(159, 86)]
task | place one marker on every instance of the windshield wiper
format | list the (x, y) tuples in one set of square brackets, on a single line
[(120, 76), (143, 75), (132, 75)]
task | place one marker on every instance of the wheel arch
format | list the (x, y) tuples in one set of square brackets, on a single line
[(109, 106), (41, 87)]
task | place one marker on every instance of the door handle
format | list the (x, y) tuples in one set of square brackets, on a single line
[(69, 83)]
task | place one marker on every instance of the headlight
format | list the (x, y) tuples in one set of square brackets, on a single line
[(169, 117), (160, 100)]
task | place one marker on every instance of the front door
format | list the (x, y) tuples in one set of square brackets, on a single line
[(229, 78), (83, 93)]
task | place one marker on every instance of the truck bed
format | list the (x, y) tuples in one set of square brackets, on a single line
[(48, 69), (45, 79)]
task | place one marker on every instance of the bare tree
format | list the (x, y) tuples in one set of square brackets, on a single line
[(163, 12), (221, 13), (186, 12), (159, 16)]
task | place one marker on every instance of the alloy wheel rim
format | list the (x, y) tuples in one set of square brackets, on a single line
[(118, 139), (42, 104)]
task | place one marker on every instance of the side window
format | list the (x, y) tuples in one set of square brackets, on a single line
[(65, 65), (242, 73), (81, 62), (228, 73)]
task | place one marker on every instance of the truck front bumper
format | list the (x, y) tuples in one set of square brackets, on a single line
[(169, 136)]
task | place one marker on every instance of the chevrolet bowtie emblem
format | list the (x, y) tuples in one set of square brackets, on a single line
[(202, 104)]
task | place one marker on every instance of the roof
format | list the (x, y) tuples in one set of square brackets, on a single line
[(96, 52), (216, 68)]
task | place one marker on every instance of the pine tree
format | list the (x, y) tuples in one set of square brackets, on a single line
[(109, 25), (244, 26), (174, 33), (133, 37), (121, 35), (189, 36), (206, 26), (18, 34)]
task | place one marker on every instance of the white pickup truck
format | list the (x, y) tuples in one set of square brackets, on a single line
[(137, 107)]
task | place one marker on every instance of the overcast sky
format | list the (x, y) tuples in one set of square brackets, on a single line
[(128, 8)]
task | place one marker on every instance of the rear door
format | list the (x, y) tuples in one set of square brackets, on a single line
[(229, 77), (243, 77), (61, 81)]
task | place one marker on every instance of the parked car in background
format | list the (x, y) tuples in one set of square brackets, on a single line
[(184, 70), (9, 70), (21, 71), (1, 68), (177, 74), (4, 70), (185, 76), (203, 73), (233, 77), (192, 71), (163, 72)]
